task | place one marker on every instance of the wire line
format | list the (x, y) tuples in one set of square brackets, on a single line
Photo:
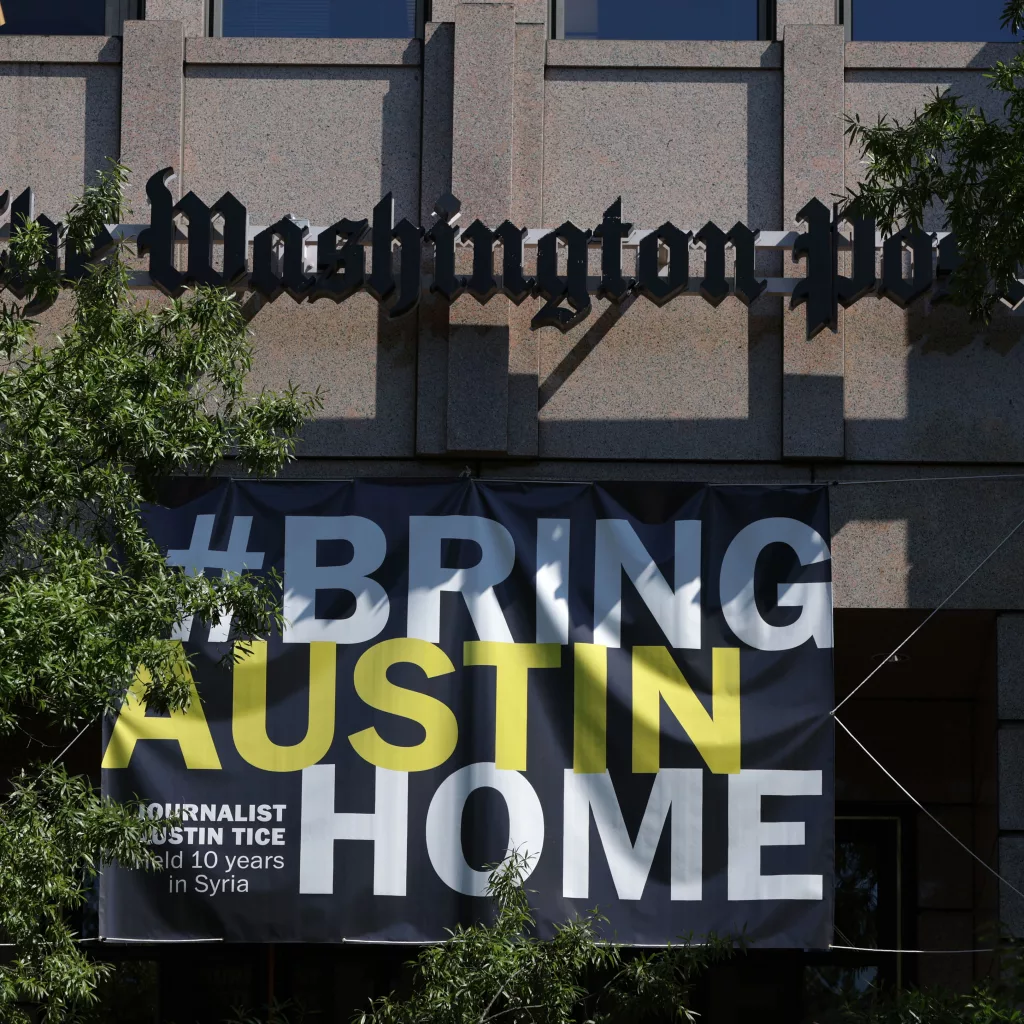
[(924, 479), (872, 949), (72, 743), (917, 803)]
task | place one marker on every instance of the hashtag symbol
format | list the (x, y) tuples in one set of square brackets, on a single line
[(200, 556)]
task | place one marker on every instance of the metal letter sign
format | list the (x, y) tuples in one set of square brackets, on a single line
[(279, 262), (631, 684)]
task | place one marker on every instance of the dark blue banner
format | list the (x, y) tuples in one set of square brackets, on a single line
[(629, 683)]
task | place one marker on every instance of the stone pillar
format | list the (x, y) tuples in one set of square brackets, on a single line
[(814, 158), (435, 181), (527, 211), (1010, 704), (482, 131), (191, 14), (802, 12), (479, 364), (152, 107)]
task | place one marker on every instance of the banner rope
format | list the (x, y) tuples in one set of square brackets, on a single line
[(917, 629), (921, 807)]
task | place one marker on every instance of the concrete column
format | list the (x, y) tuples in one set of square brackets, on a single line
[(803, 12), (1010, 704), (483, 110), (814, 157), (482, 134), (153, 99), (435, 181), (527, 211), (191, 13), (484, 106)]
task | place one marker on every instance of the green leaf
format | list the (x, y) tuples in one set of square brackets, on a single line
[(94, 423)]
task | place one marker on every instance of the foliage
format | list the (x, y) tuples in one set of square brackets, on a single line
[(986, 1004), (91, 424), (278, 1012), (502, 972), (998, 998), (56, 831), (971, 163)]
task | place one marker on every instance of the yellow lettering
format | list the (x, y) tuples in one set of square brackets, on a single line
[(513, 663), (188, 728), (374, 687), (590, 708), (249, 713), (716, 736)]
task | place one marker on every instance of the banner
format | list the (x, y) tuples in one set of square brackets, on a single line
[(631, 684)]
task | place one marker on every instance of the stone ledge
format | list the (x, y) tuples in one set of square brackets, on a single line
[(321, 52), (679, 54), (921, 56), (60, 50)]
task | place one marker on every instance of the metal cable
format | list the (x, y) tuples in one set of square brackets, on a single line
[(872, 949), (917, 803)]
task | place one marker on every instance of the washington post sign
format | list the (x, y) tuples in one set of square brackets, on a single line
[(630, 684)]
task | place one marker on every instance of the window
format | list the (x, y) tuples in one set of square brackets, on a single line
[(315, 19), (870, 913), (66, 17), (661, 19), (926, 20)]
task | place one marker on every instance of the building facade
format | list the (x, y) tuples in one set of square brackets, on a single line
[(913, 415)]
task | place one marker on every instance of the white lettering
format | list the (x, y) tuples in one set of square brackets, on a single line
[(679, 790), (303, 578), (748, 833), (677, 611), (552, 581), (386, 827), (737, 587), (444, 824), (428, 578)]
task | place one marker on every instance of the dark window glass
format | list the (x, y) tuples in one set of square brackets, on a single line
[(868, 914), (928, 20), (314, 19), (54, 17), (660, 19)]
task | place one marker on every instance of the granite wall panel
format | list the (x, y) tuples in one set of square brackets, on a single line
[(322, 143), (687, 381), (911, 542), (60, 122), (1011, 867), (364, 364), (319, 142), (151, 122), (1010, 672), (1011, 779), (477, 415), (682, 145), (925, 383)]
